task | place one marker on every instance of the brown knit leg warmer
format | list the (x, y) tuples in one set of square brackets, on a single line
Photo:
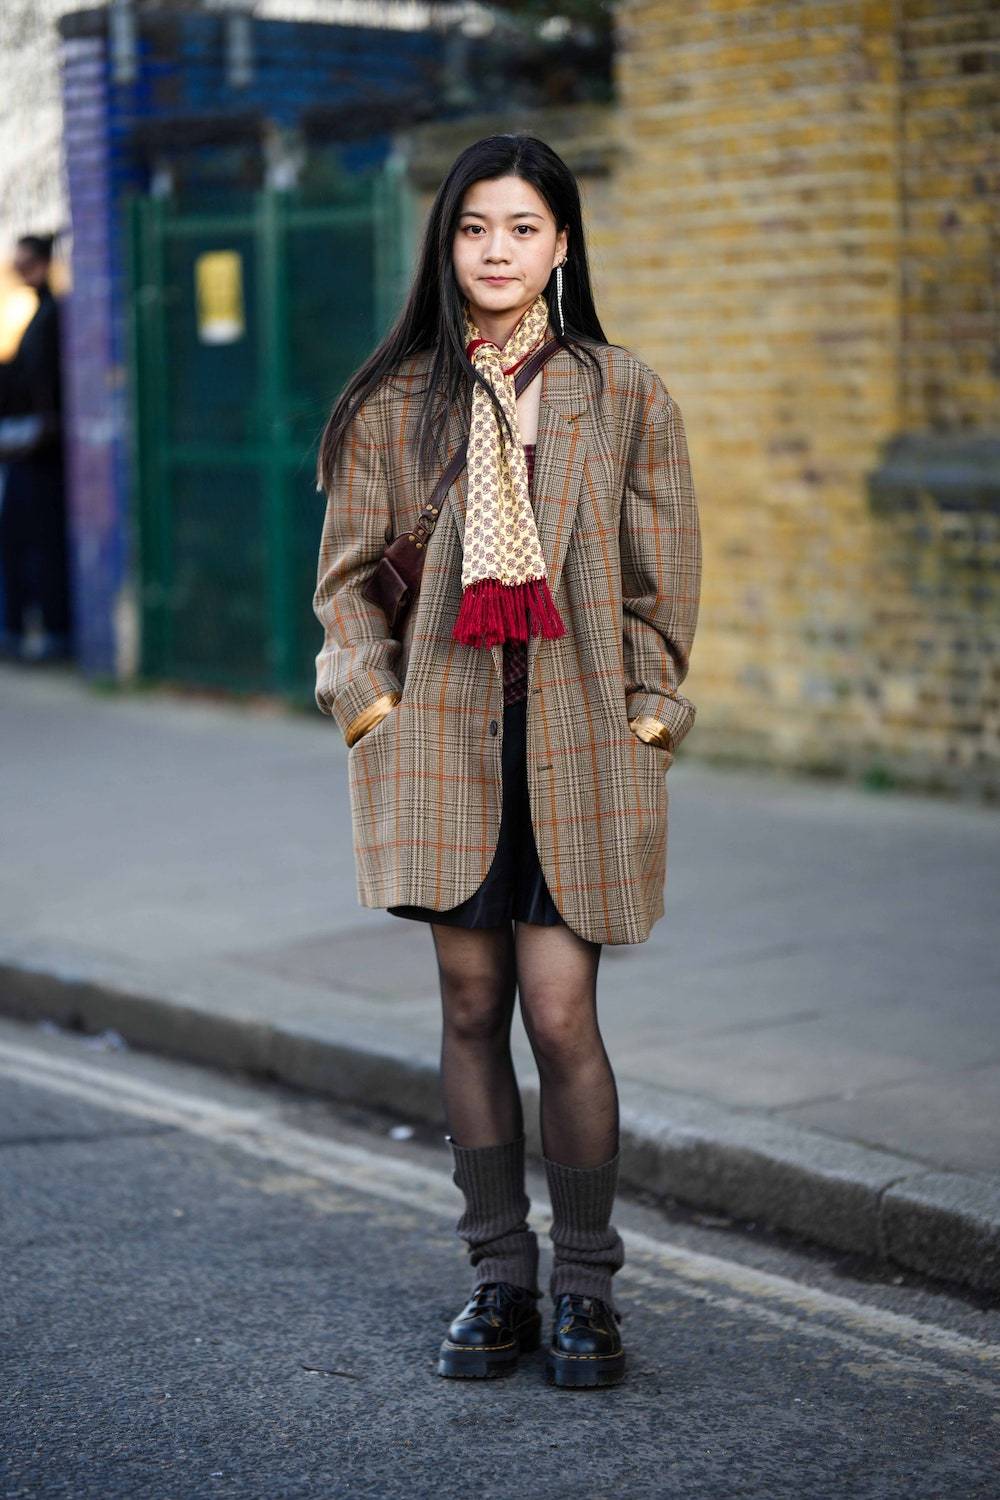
[(495, 1223), (587, 1249)]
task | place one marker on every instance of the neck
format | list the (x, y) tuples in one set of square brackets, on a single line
[(498, 327)]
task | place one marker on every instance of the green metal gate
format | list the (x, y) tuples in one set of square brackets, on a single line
[(243, 329)]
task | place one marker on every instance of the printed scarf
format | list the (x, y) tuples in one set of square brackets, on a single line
[(505, 594)]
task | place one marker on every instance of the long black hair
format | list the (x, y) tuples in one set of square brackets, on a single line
[(432, 317)]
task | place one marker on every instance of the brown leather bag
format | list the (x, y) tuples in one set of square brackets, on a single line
[(395, 583)]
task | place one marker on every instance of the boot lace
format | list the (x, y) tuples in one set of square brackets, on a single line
[(577, 1309), (490, 1295)]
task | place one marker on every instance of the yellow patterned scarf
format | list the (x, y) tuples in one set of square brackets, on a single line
[(505, 593)]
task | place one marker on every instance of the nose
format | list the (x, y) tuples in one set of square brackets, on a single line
[(495, 250)]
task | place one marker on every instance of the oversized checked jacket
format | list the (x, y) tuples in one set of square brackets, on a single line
[(618, 524)]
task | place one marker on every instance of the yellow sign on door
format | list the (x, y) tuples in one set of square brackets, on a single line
[(218, 279)]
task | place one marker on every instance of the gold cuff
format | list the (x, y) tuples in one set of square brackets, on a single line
[(652, 731), (369, 717)]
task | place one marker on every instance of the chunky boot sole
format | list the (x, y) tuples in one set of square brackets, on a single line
[(463, 1362), (580, 1370)]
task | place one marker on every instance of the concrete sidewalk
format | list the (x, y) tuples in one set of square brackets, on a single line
[(810, 1039)]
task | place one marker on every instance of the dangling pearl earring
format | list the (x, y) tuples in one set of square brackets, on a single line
[(559, 279)]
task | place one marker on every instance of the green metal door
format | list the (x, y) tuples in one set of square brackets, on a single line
[(244, 327)]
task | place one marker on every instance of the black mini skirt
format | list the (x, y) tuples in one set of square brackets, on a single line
[(515, 888)]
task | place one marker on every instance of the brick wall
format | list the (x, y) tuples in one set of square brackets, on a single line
[(935, 604), (798, 241), (949, 156)]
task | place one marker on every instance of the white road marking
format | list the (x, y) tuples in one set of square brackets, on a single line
[(653, 1265)]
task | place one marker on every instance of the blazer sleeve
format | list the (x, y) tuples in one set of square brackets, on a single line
[(356, 668), (661, 558)]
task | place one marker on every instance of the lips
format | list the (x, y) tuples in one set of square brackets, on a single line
[(498, 280)]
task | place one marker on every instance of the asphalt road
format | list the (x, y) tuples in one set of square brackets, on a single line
[(213, 1288)]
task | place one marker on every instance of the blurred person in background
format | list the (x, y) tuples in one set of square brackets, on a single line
[(33, 543)]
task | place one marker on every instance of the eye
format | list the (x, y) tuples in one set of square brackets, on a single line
[(529, 227), (471, 226)]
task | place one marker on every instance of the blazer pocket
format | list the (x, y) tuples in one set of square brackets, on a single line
[(663, 758), (374, 729)]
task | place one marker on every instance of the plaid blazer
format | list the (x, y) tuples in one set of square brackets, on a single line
[(618, 524)]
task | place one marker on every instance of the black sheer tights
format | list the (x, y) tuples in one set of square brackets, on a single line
[(481, 971)]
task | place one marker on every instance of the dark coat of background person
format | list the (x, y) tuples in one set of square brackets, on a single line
[(33, 513)]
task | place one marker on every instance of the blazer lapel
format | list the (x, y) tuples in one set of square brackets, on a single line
[(558, 477)]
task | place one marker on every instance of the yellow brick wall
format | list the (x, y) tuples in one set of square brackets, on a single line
[(797, 237), (935, 604), (949, 162)]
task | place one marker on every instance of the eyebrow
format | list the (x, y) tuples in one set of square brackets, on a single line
[(524, 213)]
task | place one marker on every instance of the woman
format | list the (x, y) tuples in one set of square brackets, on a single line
[(527, 837), (33, 541)]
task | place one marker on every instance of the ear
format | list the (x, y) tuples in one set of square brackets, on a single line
[(562, 245)]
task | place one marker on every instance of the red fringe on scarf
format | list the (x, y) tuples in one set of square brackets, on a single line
[(493, 612)]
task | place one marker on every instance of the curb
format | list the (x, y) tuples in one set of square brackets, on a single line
[(832, 1192)]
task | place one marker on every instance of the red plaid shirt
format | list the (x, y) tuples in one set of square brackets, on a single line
[(515, 653)]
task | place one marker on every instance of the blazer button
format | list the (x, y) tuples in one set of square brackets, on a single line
[(493, 726)]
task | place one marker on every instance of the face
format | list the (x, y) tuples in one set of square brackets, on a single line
[(30, 267), (505, 248)]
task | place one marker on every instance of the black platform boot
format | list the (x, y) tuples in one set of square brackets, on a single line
[(587, 1250), (499, 1322), (586, 1348)]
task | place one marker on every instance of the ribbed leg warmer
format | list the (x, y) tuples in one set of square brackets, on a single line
[(495, 1223), (587, 1249)]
